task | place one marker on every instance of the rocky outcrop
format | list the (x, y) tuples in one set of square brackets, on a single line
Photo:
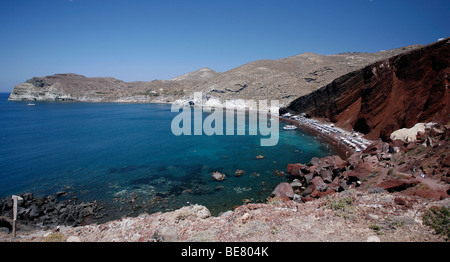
[(284, 190), (394, 185), (191, 211), (426, 153), (409, 134), (385, 96), (323, 176), (419, 170), (390, 217), (49, 211), (73, 87)]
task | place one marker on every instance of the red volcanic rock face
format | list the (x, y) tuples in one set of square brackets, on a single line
[(397, 184), (437, 194), (294, 169), (388, 95)]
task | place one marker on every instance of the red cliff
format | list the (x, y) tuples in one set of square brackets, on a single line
[(390, 94)]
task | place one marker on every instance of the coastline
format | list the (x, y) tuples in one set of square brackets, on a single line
[(334, 140), (272, 221), (330, 139)]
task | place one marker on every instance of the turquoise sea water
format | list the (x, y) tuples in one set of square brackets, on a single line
[(126, 157)]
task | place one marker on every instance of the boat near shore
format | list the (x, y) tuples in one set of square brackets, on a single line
[(289, 127)]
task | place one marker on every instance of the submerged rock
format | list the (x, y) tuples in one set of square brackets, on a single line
[(217, 176), (239, 172)]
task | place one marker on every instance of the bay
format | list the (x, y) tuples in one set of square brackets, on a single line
[(126, 157)]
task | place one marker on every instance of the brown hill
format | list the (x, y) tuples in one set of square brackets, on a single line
[(73, 87), (393, 93), (284, 79)]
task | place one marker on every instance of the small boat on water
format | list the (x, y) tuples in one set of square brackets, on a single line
[(31, 104), (289, 127)]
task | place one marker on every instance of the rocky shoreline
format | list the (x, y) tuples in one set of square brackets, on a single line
[(418, 167), (51, 211), (348, 216), (48, 212), (375, 184), (342, 149)]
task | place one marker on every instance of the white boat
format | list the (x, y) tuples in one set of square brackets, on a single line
[(31, 104), (289, 127)]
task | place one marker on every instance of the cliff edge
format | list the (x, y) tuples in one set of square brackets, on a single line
[(388, 95)]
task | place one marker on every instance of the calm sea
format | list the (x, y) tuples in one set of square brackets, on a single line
[(126, 157)]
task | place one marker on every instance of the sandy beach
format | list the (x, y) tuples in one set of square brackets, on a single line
[(323, 131)]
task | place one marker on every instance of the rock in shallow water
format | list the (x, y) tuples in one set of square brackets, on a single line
[(217, 176)]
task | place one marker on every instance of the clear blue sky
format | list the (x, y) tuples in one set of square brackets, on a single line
[(145, 40)]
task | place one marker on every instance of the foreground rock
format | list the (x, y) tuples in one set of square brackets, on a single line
[(323, 176), (378, 214), (424, 152), (416, 166), (283, 190), (394, 185), (49, 212)]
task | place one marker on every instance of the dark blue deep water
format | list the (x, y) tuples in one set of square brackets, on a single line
[(126, 157)]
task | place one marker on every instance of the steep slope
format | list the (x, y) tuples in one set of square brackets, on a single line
[(287, 78), (390, 94)]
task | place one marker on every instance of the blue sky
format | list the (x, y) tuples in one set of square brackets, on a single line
[(135, 40)]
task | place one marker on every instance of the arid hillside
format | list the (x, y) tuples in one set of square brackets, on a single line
[(283, 79)]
